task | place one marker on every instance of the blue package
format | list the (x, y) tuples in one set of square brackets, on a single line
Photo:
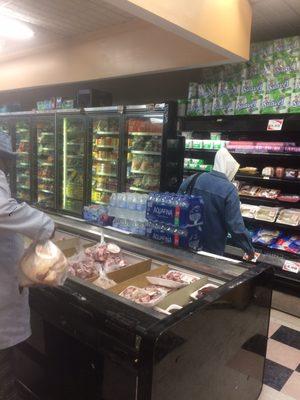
[(188, 238), (175, 209), (266, 237), (289, 243)]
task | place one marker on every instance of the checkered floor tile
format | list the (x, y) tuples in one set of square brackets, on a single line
[(282, 369)]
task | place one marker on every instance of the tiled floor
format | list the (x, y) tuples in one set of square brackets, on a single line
[(282, 371)]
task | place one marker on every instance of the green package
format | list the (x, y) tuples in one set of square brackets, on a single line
[(207, 144), (286, 63), (207, 105), (295, 103), (280, 85), (193, 90), (188, 143), (249, 104), (229, 89), (223, 105), (297, 84), (275, 102), (254, 86), (262, 50), (290, 45), (195, 108), (197, 144)]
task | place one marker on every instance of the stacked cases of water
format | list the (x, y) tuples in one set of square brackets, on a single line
[(175, 219)]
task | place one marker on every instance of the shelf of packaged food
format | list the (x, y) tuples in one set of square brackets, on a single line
[(45, 164), (136, 189), (262, 201), (106, 174), (74, 156), (106, 133), (274, 225), (149, 153), (46, 149), (45, 179), (258, 178), (104, 190), (145, 133), (156, 173), (244, 153), (22, 164), (105, 160), (46, 191), (106, 147)]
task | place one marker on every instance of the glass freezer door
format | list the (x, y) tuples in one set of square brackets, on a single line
[(106, 139), (45, 130), (23, 162), (72, 144), (144, 153)]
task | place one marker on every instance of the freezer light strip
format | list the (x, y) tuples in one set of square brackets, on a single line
[(64, 161)]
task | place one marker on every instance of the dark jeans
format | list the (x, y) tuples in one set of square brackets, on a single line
[(8, 386)]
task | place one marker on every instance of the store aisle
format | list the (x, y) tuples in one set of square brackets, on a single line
[(282, 374)]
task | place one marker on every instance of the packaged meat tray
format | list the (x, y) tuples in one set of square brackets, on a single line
[(266, 237), (148, 296), (268, 193), (265, 213), (289, 217), (172, 279), (289, 198), (248, 190), (202, 292), (249, 210)]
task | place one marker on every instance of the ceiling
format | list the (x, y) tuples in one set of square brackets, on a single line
[(57, 20), (273, 19)]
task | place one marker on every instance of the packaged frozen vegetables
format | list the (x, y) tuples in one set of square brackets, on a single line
[(265, 213)]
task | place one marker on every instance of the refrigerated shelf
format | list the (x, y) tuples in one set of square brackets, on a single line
[(103, 133), (145, 133), (145, 172), (106, 147), (150, 153)]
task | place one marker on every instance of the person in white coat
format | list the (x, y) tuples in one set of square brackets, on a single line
[(15, 220)]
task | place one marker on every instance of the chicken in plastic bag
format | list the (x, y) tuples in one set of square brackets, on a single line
[(43, 264)]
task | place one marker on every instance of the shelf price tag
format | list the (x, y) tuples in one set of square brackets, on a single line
[(275, 124), (291, 266)]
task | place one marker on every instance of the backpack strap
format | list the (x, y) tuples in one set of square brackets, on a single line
[(190, 187)]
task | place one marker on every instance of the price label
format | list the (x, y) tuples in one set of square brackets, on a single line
[(275, 124), (291, 266)]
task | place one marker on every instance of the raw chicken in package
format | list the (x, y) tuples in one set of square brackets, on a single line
[(43, 264)]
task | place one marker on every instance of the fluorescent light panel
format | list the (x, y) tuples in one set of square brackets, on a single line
[(13, 29)]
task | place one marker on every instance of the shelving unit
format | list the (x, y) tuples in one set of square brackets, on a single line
[(253, 128)]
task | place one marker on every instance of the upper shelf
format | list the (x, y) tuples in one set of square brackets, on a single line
[(240, 123)]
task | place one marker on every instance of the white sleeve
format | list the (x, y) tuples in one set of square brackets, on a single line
[(21, 218)]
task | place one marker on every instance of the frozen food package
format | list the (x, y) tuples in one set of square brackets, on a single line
[(248, 170), (273, 103), (289, 217), (43, 264), (255, 86), (266, 237), (288, 243), (294, 103), (265, 213), (289, 198), (268, 193), (248, 190), (249, 210)]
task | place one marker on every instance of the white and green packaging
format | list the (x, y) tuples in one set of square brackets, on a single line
[(275, 103), (193, 90), (195, 108), (248, 104), (295, 103), (255, 86)]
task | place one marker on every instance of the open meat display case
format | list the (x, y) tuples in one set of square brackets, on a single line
[(46, 166), (201, 333)]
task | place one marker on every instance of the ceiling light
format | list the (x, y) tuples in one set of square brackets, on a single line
[(14, 29)]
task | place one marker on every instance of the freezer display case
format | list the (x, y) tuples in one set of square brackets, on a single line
[(144, 145), (205, 336), (46, 141), (72, 138), (23, 146), (105, 157)]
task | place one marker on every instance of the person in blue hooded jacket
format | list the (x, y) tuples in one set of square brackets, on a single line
[(222, 213)]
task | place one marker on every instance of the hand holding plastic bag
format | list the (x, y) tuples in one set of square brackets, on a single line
[(43, 264)]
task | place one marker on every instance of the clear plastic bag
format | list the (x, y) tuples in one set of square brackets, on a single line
[(43, 264)]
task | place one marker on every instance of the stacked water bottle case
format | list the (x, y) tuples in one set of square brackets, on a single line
[(175, 219)]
